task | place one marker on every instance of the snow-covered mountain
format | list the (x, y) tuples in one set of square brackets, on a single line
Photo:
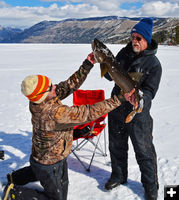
[(7, 33), (110, 29)]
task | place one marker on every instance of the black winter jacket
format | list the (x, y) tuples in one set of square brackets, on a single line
[(149, 65)]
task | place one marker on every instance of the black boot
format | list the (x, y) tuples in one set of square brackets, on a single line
[(113, 183), (9, 178), (11, 192), (151, 195)]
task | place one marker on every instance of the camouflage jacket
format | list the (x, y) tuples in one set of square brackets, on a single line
[(53, 122)]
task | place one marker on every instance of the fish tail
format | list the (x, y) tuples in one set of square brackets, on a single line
[(130, 116)]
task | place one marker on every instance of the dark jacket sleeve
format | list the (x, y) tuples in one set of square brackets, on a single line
[(108, 77), (65, 88), (151, 82)]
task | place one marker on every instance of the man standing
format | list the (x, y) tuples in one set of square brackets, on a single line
[(137, 56)]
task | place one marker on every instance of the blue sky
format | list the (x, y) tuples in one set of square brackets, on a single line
[(34, 3), (25, 13)]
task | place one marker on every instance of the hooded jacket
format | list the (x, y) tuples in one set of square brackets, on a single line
[(53, 122), (147, 63)]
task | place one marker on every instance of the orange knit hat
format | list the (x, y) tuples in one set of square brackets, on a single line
[(35, 87)]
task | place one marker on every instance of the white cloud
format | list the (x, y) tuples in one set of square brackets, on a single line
[(112, 5), (27, 16), (112, 1), (159, 8)]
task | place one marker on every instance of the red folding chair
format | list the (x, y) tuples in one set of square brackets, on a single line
[(94, 129)]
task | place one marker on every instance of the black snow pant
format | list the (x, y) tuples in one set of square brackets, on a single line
[(140, 132), (53, 178)]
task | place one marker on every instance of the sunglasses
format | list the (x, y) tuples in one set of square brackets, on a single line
[(136, 38), (49, 90)]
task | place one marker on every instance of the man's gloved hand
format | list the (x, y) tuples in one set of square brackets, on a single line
[(91, 58), (131, 98)]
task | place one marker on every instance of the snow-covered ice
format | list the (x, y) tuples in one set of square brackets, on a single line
[(59, 61)]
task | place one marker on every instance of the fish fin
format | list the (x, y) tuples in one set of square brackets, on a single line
[(104, 69), (140, 106), (135, 76), (130, 116)]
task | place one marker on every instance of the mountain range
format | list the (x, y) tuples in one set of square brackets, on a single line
[(110, 29)]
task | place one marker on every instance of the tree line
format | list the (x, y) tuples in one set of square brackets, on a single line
[(169, 37)]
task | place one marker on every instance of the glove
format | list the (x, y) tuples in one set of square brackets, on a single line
[(91, 58)]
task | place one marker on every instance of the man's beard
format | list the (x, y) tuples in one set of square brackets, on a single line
[(136, 49)]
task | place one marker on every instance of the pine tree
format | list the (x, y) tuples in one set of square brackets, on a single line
[(177, 34), (161, 36)]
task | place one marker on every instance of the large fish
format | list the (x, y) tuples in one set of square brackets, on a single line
[(124, 80)]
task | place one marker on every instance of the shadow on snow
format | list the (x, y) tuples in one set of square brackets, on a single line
[(22, 143)]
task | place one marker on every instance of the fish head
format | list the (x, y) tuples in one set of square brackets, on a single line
[(96, 44), (97, 50), (101, 52)]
